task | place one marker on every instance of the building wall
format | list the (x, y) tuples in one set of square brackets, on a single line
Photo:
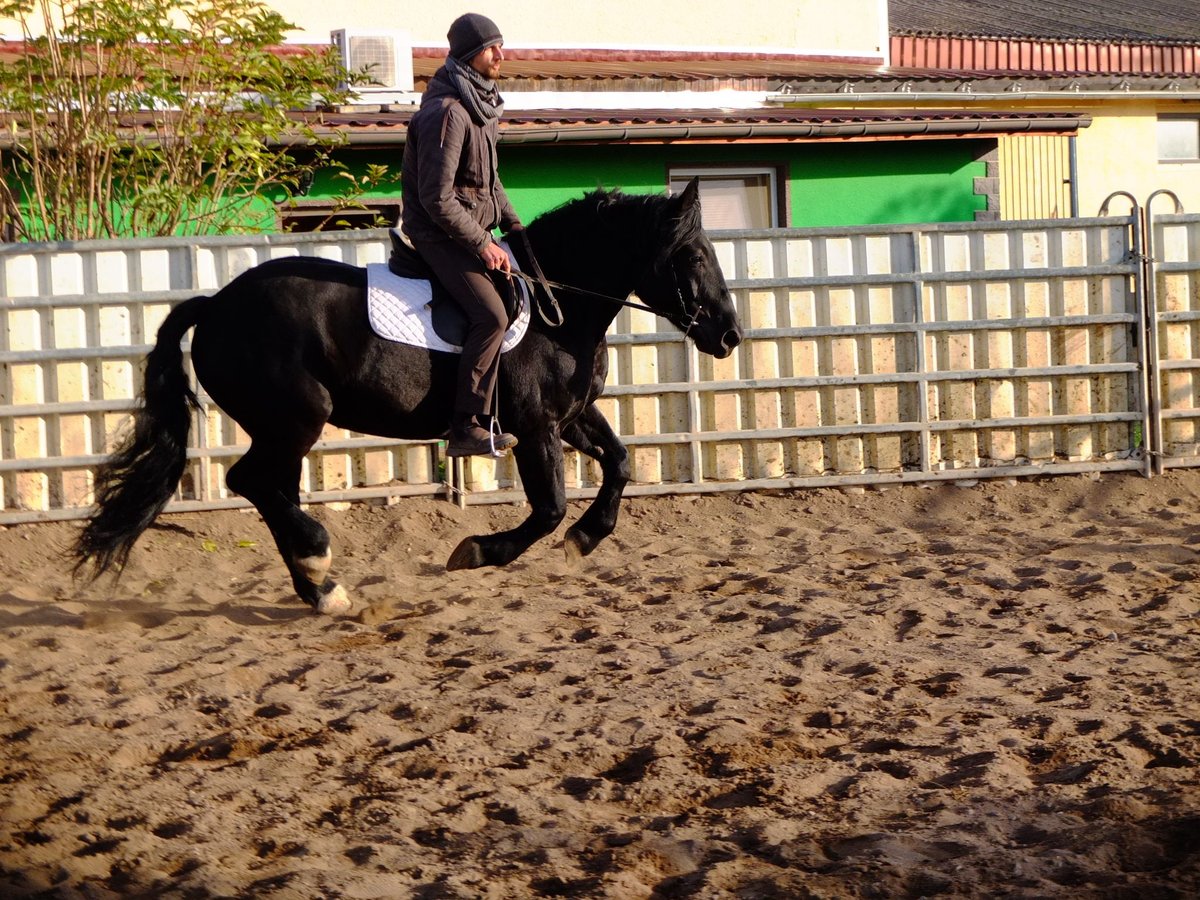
[(848, 184), (869, 183), (886, 182), (1119, 152), (761, 26)]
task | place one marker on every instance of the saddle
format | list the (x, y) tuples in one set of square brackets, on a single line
[(449, 321)]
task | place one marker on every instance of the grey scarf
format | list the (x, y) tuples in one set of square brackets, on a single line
[(478, 94)]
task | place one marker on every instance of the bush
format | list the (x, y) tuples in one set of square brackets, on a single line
[(156, 117)]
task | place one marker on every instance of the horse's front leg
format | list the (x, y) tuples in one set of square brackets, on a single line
[(591, 435), (540, 462)]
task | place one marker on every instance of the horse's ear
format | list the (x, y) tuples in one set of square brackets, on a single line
[(687, 214), (691, 194)]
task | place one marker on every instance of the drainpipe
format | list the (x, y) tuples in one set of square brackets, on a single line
[(1073, 174)]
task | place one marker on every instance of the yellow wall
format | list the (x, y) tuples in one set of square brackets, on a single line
[(1119, 153), (788, 26), (781, 26)]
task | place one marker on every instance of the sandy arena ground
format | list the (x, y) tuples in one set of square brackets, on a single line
[(988, 691)]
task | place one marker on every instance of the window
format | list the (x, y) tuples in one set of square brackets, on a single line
[(319, 215), (741, 197), (1179, 138)]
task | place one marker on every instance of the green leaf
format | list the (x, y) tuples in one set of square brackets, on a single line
[(209, 546)]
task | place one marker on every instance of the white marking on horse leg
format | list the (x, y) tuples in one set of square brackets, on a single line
[(335, 602), (314, 568)]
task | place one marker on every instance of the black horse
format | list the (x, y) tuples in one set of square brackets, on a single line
[(286, 347)]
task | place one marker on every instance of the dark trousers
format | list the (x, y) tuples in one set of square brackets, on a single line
[(466, 278)]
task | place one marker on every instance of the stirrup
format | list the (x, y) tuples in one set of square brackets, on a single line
[(473, 443)]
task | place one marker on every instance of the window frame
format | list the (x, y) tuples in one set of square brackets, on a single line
[(296, 210), (1177, 160), (776, 172)]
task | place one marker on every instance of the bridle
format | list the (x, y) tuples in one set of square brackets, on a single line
[(538, 279), (683, 303)]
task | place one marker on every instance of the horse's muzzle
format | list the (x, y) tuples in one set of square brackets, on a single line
[(729, 342)]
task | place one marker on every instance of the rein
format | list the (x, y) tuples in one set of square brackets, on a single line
[(546, 285)]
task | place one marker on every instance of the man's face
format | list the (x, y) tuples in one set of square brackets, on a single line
[(487, 62)]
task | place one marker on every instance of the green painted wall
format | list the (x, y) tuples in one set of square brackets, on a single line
[(848, 184), (868, 183), (876, 183), (887, 183)]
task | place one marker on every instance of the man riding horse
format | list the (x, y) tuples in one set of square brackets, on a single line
[(453, 199)]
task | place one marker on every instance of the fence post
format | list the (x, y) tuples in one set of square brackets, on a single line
[(924, 438)]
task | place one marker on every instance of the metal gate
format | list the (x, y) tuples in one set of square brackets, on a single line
[(1168, 248)]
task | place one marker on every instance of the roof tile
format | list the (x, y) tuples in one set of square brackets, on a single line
[(1150, 21)]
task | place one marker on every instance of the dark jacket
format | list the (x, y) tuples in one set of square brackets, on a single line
[(449, 179)]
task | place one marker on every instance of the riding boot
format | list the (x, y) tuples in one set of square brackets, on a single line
[(469, 438)]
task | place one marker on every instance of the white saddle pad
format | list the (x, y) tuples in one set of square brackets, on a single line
[(399, 310)]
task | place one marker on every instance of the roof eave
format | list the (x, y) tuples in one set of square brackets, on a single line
[(969, 98), (765, 132)]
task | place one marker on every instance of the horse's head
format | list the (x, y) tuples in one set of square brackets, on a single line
[(685, 284)]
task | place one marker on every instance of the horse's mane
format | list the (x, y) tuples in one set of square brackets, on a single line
[(614, 212)]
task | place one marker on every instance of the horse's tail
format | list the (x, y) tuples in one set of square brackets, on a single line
[(135, 483)]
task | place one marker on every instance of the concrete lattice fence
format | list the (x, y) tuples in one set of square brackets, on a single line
[(918, 352), (899, 354)]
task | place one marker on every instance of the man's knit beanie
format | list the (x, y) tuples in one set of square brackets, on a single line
[(471, 34)]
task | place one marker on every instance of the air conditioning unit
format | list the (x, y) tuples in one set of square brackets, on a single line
[(386, 57)]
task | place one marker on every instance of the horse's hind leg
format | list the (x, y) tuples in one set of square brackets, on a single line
[(269, 477)]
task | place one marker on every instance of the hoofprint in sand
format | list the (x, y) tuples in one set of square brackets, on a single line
[(988, 691)]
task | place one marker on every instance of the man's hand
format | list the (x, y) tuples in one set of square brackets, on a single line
[(495, 258)]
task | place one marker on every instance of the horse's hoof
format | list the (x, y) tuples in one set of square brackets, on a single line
[(334, 602), (467, 555), (573, 548)]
